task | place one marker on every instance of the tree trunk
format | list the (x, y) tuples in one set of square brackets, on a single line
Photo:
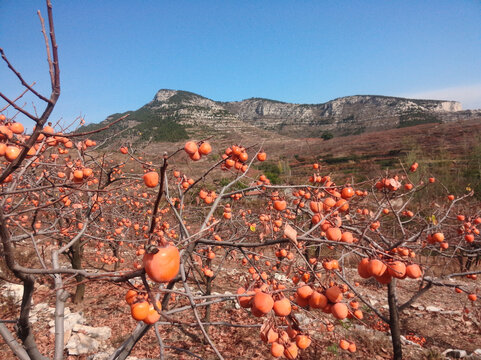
[(77, 264), (124, 350), (116, 251), (394, 321), (208, 291)]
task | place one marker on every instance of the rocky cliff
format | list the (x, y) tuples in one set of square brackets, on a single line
[(343, 116), (185, 114)]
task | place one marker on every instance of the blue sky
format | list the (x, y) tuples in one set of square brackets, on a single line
[(114, 55)]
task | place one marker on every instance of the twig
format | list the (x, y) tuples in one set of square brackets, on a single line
[(17, 98), (97, 130), (196, 313)]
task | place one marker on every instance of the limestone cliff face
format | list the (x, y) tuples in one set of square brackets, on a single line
[(166, 98), (192, 110), (343, 116), (346, 115), (338, 108)]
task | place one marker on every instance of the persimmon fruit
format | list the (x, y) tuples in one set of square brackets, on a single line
[(140, 310), (17, 128), (245, 301), (262, 302), (340, 311), (317, 300), (277, 349), (303, 341), (205, 148), (363, 268), (291, 351), (151, 179), (261, 156), (413, 271), (190, 147), (282, 307), (397, 269), (376, 267), (163, 265), (153, 316), (334, 234), (280, 205), (131, 296), (12, 152), (304, 292), (334, 294)]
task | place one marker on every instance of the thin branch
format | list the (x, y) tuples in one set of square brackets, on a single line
[(24, 83), (17, 98), (368, 304), (17, 349), (97, 130), (416, 296), (196, 313), (47, 46), (153, 222), (18, 108)]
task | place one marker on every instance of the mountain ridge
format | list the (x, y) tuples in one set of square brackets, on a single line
[(163, 92), (188, 114)]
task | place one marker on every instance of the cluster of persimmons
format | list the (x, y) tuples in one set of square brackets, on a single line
[(58, 187)]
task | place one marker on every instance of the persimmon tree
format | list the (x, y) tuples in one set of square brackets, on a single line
[(166, 234)]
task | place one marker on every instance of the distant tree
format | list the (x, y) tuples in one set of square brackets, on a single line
[(327, 135)]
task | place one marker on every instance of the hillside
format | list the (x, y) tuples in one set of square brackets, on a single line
[(343, 116), (175, 115)]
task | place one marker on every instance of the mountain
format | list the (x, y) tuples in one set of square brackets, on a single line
[(174, 115), (342, 116)]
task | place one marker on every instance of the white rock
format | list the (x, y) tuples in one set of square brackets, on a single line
[(473, 356), (51, 311), (15, 291), (73, 318), (359, 327), (476, 355), (431, 308), (280, 277), (455, 354), (372, 301), (81, 344), (418, 306), (409, 342), (70, 320), (66, 337), (40, 308), (451, 312), (100, 356), (302, 319), (99, 333)]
